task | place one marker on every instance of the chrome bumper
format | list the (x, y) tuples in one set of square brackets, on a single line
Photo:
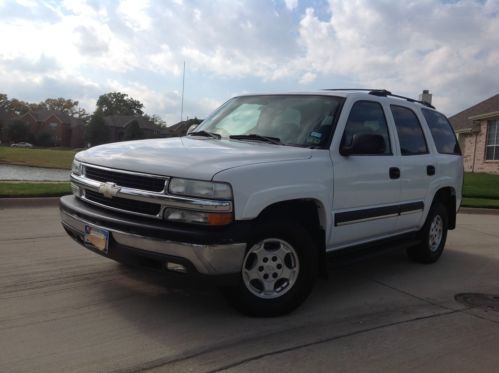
[(207, 259)]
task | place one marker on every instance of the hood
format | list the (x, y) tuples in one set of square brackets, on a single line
[(186, 157)]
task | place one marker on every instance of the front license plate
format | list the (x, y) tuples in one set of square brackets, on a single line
[(97, 238)]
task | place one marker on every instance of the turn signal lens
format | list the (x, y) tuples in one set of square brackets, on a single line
[(197, 217), (219, 219)]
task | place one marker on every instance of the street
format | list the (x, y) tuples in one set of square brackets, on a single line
[(63, 308)]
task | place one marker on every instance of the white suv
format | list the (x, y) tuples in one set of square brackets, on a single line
[(270, 185)]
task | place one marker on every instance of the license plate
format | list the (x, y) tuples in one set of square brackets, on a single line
[(97, 238)]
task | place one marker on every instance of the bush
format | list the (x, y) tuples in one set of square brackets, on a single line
[(44, 139), (17, 131)]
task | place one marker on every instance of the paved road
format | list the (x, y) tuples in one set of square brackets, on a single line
[(63, 308)]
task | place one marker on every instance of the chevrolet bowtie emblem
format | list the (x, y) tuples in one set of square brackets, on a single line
[(109, 189)]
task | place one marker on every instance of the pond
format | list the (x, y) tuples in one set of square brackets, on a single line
[(24, 173)]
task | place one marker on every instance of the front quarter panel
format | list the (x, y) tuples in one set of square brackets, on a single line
[(258, 186)]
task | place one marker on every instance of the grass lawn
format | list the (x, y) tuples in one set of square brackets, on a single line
[(477, 185), (34, 189), (50, 158), (480, 202)]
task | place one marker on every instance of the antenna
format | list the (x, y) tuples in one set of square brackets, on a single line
[(182, 104)]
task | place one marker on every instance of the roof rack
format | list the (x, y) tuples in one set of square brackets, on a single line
[(382, 93)]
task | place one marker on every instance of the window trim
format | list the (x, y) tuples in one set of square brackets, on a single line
[(495, 157), (420, 127), (387, 128)]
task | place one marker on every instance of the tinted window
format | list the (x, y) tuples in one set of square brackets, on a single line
[(366, 117), (442, 132), (411, 137)]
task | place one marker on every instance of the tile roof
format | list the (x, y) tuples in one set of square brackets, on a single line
[(43, 115), (461, 121)]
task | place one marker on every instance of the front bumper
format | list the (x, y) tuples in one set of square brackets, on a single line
[(199, 250)]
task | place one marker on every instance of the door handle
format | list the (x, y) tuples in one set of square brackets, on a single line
[(430, 170), (394, 172)]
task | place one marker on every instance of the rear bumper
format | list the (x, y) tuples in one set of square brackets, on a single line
[(199, 250)]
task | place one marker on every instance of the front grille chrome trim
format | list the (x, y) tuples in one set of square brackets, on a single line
[(165, 200)]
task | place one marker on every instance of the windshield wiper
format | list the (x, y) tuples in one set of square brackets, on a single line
[(255, 136), (213, 135)]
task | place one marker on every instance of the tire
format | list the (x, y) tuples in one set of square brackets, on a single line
[(433, 236), (278, 272)]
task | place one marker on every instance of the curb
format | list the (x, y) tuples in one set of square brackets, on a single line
[(478, 210), (28, 202)]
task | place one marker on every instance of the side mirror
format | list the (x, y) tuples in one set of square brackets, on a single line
[(192, 128), (364, 144)]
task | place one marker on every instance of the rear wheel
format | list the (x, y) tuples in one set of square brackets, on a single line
[(278, 271), (433, 236)]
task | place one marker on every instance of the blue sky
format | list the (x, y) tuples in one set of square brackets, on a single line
[(81, 49)]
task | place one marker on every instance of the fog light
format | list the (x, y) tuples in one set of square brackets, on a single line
[(197, 217), (176, 267)]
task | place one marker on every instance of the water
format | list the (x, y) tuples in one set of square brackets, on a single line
[(24, 173)]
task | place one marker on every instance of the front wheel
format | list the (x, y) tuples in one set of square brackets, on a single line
[(278, 271), (433, 236)]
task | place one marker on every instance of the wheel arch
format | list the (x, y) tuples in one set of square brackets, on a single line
[(447, 196), (310, 213)]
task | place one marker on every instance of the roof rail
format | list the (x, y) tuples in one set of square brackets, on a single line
[(382, 93)]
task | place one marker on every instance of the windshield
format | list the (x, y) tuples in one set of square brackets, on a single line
[(299, 120)]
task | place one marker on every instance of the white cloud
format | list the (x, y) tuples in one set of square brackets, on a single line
[(291, 4), (233, 46), (308, 77), (164, 61), (407, 46), (135, 14)]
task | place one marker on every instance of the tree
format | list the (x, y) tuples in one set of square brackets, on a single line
[(133, 131), (97, 132), (17, 131), (67, 106), (156, 120), (4, 102), (117, 103)]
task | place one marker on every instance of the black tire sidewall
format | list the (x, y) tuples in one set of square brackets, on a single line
[(298, 237), (423, 252)]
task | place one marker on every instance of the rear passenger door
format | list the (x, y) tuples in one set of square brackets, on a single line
[(417, 166)]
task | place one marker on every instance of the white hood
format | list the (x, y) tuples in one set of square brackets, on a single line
[(188, 157)]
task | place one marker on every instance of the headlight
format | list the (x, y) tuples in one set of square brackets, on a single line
[(76, 167), (203, 189)]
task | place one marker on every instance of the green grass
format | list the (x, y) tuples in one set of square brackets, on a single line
[(50, 158), (34, 189), (480, 202), (478, 185)]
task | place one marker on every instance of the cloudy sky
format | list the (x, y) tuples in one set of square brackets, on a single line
[(81, 49)]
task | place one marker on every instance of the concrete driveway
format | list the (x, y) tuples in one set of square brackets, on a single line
[(63, 308)]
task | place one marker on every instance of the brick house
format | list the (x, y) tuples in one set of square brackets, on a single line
[(477, 129), (118, 124), (64, 130)]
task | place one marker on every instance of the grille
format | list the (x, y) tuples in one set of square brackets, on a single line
[(124, 204), (153, 184)]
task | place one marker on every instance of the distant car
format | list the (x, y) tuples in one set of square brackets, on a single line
[(21, 145)]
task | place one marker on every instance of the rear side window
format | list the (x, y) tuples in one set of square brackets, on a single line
[(441, 130), (367, 117), (411, 137)]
